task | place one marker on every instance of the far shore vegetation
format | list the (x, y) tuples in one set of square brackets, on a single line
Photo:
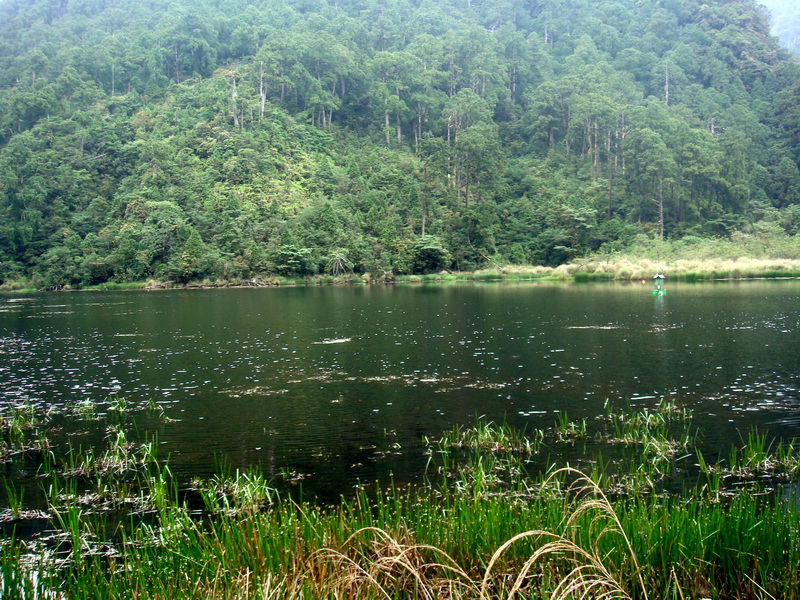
[(741, 256)]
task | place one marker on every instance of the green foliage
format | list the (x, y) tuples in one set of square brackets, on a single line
[(489, 519), (429, 255), (192, 140)]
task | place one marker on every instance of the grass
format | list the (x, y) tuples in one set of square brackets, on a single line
[(22, 430), (758, 457), (488, 436), (490, 524), (404, 545), (233, 494), (570, 431), (114, 286), (741, 256)]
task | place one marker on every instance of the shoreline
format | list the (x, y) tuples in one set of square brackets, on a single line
[(581, 271)]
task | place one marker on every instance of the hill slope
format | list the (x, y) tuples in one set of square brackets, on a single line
[(216, 138)]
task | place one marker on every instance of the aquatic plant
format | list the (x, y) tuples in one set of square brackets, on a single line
[(570, 431), (118, 404), (22, 429), (758, 457), (85, 409), (119, 456), (492, 525), (651, 427), (489, 436), (241, 492)]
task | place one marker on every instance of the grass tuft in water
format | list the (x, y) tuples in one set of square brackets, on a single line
[(570, 431), (489, 436), (237, 493), (498, 526)]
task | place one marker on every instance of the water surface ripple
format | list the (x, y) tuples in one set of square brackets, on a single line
[(339, 384)]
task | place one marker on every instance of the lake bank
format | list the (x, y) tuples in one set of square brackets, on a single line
[(583, 270)]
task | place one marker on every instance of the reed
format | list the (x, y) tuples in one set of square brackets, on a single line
[(404, 544), (114, 286), (232, 494), (759, 456), (680, 264), (496, 527), (570, 431), (487, 435)]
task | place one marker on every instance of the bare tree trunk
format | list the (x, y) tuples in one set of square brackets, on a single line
[(590, 125), (399, 130), (423, 198), (610, 165), (234, 93), (661, 204), (262, 92), (418, 133), (467, 175), (386, 120), (622, 134), (457, 177)]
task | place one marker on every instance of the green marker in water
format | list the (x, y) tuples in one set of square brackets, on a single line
[(659, 289)]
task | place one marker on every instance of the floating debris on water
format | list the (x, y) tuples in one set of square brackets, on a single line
[(594, 327), (334, 341), (255, 391)]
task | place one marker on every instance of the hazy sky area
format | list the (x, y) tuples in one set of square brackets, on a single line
[(785, 21)]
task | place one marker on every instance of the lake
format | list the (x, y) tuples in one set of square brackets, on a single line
[(336, 385)]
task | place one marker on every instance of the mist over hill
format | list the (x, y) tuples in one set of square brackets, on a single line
[(785, 22)]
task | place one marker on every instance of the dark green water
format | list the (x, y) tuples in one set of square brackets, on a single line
[(250, 375)]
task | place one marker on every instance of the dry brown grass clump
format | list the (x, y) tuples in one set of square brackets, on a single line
[(372, 563)]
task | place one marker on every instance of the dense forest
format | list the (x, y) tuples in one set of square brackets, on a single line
[(180, 140)]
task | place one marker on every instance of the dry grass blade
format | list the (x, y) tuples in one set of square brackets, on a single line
[(356, 576), (761, 589), (677, 583), (580, 584), (588, 577), (388, 563), (501, 550), (600, 503)]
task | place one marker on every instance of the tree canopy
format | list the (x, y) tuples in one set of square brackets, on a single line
[(181, 140)]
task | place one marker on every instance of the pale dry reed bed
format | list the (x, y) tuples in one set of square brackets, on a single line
[(484, 527), (681, 269), (629, 269)]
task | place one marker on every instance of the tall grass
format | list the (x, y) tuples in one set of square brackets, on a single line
[(741, 256), (406, 545), (491, 526)]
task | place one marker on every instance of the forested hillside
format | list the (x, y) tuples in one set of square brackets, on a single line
[(183, 140)]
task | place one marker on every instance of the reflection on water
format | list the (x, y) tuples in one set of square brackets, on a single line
[(341, 383)]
